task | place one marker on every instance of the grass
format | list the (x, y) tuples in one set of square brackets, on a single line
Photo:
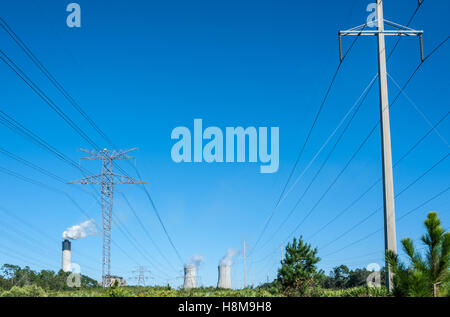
[(158, 291)]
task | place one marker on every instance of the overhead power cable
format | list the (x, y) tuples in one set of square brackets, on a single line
[(72, 101), (302, 149), (392, 51), (365, 139), (353, 203), (381, 207), (398, 220)]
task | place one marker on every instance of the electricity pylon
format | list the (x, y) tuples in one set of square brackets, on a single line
[(140, 275), (107, 179), (388, 183)]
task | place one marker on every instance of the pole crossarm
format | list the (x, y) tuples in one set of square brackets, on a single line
[(399, 30), (115, 179), (105, 153), (385, 32)]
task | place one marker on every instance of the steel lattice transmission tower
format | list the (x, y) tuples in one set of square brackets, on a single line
[(107, 179), (140, 275)]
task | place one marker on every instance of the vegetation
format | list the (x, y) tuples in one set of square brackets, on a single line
[(15, 276), (341, 277), (298, 274), (425, 276)]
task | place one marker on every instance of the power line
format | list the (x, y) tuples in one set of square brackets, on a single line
[(358, 105), (54, 107), (38, 91), (379, 179), (145, 229), (72, 101), (18, 128), (398, 220), (78, 207), (302, 149), (392, 51), (424, 117), (50, 77), (364, 141), (396, 196), (395, 99), (160, 219), (35, 229)]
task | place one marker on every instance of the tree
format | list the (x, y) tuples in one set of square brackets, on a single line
[(340, 276), (13, 275), (298, 270), (358, 277), (425, 274)]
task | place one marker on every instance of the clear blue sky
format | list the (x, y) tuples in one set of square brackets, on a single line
[(142, 68)]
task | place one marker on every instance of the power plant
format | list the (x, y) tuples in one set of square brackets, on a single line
[(224, 276), (66, 256), (190, 276)]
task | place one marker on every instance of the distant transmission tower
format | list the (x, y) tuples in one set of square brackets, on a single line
[(107, 179), (140, 275)]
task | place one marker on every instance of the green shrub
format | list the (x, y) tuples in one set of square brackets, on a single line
[(25, 291), (362, 291)]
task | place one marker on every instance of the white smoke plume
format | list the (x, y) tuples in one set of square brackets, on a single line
[(227, 260), (195, 261), (82, 230)]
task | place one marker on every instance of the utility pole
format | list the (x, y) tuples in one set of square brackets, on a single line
[(282, 254), (107, 179), (245, 268), (388, 184)]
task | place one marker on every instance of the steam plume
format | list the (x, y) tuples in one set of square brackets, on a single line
[(81, 230), (227, 260), (195, 261)]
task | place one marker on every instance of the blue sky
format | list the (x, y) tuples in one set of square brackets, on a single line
[(142, 68)]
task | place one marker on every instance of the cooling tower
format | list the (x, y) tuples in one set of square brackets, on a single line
[(190, 280), (224, 277), (66, 266)]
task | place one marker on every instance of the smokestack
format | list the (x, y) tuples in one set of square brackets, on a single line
[(66, 253), (224, 277), (190, 279)]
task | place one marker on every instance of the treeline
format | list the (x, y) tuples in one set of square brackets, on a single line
[(341, 277), (15, 276)]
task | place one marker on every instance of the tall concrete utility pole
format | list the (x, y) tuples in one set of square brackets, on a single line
[(388, 183), (245, 268), (282, 254), (107, 179)]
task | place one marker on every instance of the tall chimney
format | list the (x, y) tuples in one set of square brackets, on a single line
[(66, 246), (224, 277), (190, 280)]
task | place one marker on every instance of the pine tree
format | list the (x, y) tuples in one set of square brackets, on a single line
[(425, 274), (298, 270)]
